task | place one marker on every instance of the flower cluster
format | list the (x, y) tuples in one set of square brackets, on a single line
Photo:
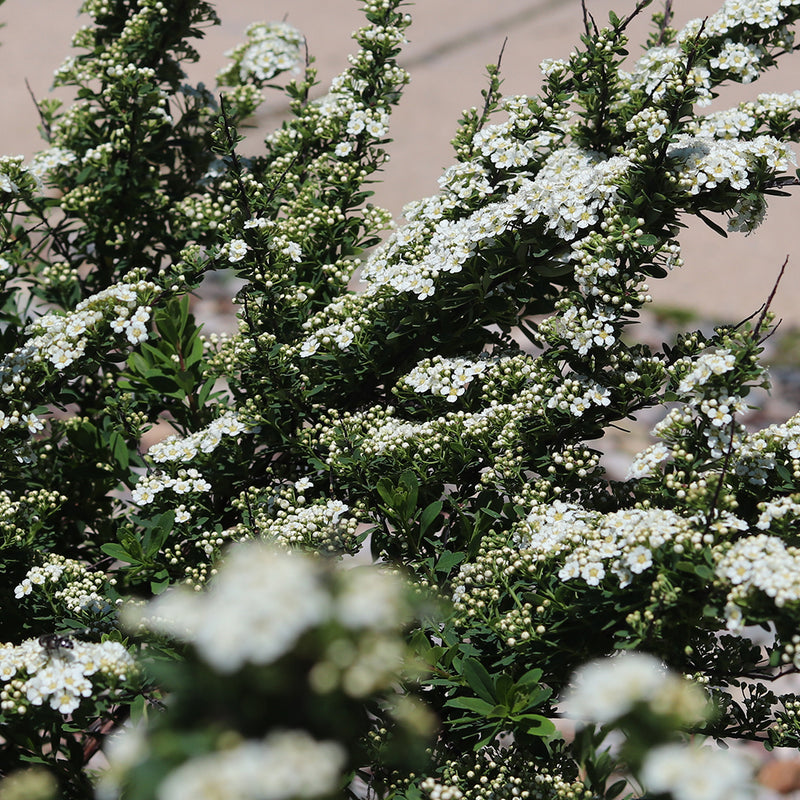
[(447, 377), (62, 339), (183, 449), (622, 543), (318, 527), (412, 413), (186, 481), (60, 670), (270, 48), (50, 159), (551, 199), (294, 629), (12, 172), (71, 585), (501, 773), (701, 164), (763, 452), (759, 563), (637, 686)]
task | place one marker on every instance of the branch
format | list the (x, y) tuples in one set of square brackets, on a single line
[(770, 298), (45, 124), (491, 93), (235, 162), (665, 23), (723, 473), (587, 19), (640, 6), (785, 180)]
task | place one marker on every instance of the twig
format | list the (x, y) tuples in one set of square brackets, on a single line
[(665, 23), (234, 157), (490, 95), (249, 320), (723, 473), (587, 19), (729, 448), (783, 180), (45, 124), (640, 6), (770, 298)]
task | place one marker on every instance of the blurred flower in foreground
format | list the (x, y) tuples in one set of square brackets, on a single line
[(263, 600), (277, 768), (697, 773), (608, 689), (267, 702)]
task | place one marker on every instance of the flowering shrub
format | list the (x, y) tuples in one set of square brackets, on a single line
[(178, 511)]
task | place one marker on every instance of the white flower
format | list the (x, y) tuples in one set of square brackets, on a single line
[(237, 250), (343, 149), (378, 126), (639, 559), (645, 463), (344, 338), (271, 48), (337, 508), (357, 122), (33, 423), (309, 347), (593, 573), (552, 66), (136, 332), (292, 251)]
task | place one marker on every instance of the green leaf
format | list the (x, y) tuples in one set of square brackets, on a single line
[(532, 699), (386, 490), (478, 679), (119, 449), (409, 503), (160, 582), (713, 225), (532, 676), (705, 572), (429, 514), (194, 353), (472, 704), (616, 788), (537, 725), (155, 537), (205, 391), (448, 560), (118, 552), (138, 363)]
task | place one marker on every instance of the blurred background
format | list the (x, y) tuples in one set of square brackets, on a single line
[(451, 41)]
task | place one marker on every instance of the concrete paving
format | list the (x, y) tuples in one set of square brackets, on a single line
[(451, 41)]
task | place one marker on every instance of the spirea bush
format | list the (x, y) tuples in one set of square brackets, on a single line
[(182, 615)]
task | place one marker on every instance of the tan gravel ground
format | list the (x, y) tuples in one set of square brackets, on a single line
[(451, 41)]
